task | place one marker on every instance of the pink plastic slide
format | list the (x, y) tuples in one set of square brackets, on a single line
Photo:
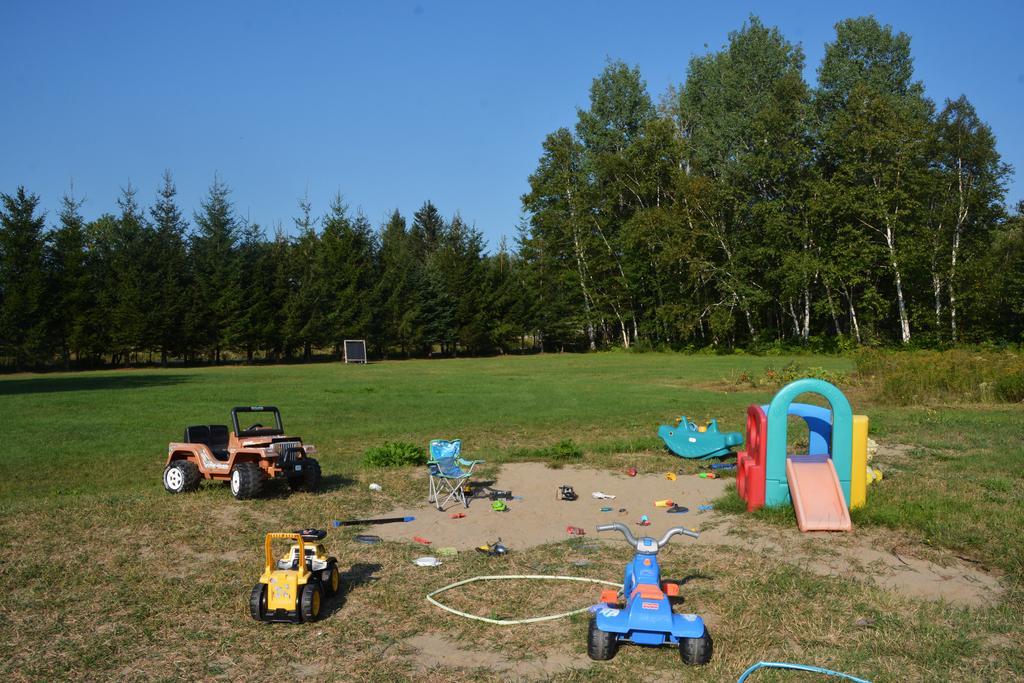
[(816, 493)]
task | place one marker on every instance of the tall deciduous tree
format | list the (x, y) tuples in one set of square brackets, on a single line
[(746, 110), (874, 121), (968, 198)]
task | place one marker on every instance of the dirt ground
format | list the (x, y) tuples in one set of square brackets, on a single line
[(540, 517)]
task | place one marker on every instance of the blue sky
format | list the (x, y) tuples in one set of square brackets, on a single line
[(392, 103)]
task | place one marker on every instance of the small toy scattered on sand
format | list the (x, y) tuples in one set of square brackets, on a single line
[(495, 549)]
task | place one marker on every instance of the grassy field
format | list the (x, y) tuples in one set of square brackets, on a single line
[(104, 575)]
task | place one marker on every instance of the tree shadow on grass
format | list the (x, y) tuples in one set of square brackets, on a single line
[(48, 385), (359, 574)]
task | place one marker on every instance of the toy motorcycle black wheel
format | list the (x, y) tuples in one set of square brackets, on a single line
[(601, 645), (696, 650)]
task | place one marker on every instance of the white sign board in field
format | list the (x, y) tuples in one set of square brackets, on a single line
[(355, 350)]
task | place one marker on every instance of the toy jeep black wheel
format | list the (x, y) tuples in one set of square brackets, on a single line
[(330, 579), (258, 602), (696, 650), (247, 480), (309, 601), (181, 476), (308, 479), (601, 645)]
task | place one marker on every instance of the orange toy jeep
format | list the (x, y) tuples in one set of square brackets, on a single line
[(245, 457)]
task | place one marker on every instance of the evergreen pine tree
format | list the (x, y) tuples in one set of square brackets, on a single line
[(23, 314), (212, 253), (170, 275), (71, 297)]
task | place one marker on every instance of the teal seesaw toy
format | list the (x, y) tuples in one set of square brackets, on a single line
[(688, 440)]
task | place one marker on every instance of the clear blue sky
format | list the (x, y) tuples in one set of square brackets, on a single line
[(393, 103)]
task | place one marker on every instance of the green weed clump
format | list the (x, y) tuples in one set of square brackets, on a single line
[(1010, 389), (395, 454), (566, 449), (771, 378), (922, 377)]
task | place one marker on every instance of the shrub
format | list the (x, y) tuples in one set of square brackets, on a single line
[(917, 377), (1010, 388), (395, 454), (790, 372), (567, 449)]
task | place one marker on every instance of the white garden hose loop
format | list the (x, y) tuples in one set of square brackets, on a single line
[(509, 622)]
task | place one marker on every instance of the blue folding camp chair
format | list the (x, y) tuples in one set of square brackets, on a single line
[(449, 472)]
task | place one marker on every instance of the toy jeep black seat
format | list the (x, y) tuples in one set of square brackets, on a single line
[(214, 436)]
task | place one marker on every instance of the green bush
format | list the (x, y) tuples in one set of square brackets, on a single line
[(1010, 388), (567, 449), (921, 377), (790, 372), (395, 454)]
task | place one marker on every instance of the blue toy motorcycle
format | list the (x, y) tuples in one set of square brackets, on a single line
[(647, 617)]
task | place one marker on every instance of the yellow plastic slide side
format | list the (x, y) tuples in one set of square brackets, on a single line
[(859, 466)]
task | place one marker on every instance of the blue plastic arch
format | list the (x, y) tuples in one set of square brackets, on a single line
[(819, 425), (776, 485)]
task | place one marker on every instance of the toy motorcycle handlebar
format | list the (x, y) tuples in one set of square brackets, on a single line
[(618, 526), (677, 530)]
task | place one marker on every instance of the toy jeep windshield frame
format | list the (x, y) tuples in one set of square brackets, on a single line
[(257, 428)]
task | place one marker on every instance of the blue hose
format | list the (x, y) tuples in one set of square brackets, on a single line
[(798, 667)]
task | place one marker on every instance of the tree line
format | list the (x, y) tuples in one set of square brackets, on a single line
[(145, 286), (747, 207), (744, 208)]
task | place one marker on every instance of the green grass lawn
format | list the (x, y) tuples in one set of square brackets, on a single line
[(114, 578)]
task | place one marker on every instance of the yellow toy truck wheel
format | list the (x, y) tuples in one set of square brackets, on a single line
[(310, 601), (330, 579), (258, 602)]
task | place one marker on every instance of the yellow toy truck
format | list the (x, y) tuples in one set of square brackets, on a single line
[(293, 588)]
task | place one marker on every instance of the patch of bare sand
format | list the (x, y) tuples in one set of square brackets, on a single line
[(541, 518), (433, 650)]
